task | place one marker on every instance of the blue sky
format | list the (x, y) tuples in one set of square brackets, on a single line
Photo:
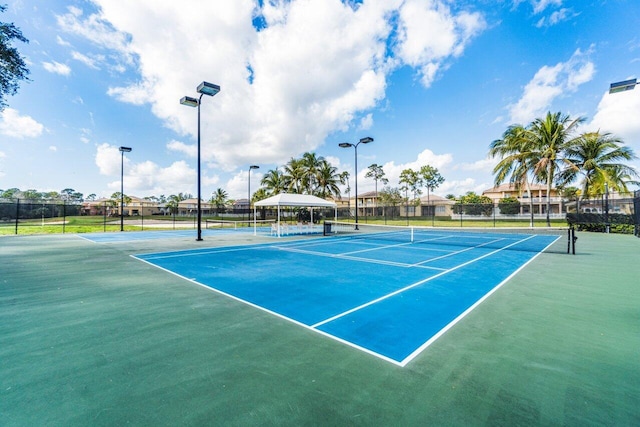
[(433, 82)]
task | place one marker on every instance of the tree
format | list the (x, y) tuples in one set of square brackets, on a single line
[(295, 176), (327, 180), (71, 195), (12, 65), (518, 160), (596, 157), (390, 197), (474, 204), (310, 164), (174, 200), (550, 137), (413, 182), (431, 178), (274, 182), (33, 195), (509, 206), (219, 199), (377, 173), (344, 180)]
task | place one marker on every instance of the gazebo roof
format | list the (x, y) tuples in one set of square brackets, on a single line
[(287, 199)]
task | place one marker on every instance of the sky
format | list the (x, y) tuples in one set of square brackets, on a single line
[(433, 82)]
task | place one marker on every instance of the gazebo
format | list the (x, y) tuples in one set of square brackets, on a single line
[(297, 200)]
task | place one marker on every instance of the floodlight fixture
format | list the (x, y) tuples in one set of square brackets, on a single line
[(623, 86), (207, 88), (189, 101), (345, 145), (365, 140)]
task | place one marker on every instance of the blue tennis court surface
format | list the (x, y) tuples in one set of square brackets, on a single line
[(390, 299)]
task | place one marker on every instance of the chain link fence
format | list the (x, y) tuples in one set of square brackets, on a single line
[(600, 214)]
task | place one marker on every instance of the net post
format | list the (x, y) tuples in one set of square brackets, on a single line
[(412, 238), (573, 239)]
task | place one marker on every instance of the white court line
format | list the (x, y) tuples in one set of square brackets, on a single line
[(353, 258), (384, 297)]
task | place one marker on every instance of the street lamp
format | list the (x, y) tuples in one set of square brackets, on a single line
[(122, 151), (364, 140), (623, 86), (249, 188), (606, 207), (204, 88)]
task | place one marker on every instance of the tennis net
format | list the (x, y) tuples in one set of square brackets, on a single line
[(229, 224), (513, 238)]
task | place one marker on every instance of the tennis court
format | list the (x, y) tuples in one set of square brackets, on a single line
[(388, 293), (90, 335)]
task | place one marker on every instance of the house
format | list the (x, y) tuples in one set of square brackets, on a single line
[(189, 207), (537, 195)]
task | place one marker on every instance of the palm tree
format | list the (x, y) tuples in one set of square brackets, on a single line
[(550, 137), (295, 176), (517, 162), (327, 180), (219, 198), (274, 182), (311, 164), (596, 157)]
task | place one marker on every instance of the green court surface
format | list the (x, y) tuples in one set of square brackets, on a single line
[(92, 336)]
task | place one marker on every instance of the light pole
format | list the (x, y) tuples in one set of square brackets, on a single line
[(249, 188), (606, 207), (616, 87), (122, 151), (364, 140), (204, 88)]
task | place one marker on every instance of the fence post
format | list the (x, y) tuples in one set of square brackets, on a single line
[(17, 213)]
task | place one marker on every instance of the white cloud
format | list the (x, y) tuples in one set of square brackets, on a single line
[(57, 68), (429, 33), (318, 66), (95, 29), (91, 62), (108, 159), (14, 125), (539, 6), (366, 122), (556, 17), (181, 147), (53, 148), (484, 165), (237, 186), (62, 42), (147, 177), (392, 170), (618, 113), (549, 83)]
